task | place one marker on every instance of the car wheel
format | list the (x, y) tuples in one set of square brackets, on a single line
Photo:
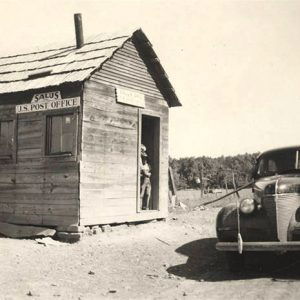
[(235, 261)]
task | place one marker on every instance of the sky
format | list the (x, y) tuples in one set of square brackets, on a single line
[(235, 65)]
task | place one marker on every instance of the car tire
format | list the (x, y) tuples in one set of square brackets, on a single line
[(235, 261)]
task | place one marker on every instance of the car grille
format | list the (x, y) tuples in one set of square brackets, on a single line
[(286, 206), (279, 209), (269, 205)]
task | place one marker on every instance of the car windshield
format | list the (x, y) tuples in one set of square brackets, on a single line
[(278, 162)]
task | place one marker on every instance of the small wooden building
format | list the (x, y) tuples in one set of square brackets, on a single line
[(72, 121)]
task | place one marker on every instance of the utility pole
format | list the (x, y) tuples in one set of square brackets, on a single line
[(234, 185), (201, 181), (225, 180)]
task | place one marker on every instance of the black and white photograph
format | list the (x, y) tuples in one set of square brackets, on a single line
[(149, 149)]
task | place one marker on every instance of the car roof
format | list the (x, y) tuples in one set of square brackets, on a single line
[(297, 147)]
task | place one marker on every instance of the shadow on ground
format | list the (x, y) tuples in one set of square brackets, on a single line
[(204, 263)]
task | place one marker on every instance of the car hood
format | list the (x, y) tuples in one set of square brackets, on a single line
[(284, 183)]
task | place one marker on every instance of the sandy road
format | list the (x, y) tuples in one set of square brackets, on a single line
[(162, 260)]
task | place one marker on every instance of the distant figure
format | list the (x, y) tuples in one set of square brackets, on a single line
[(145, 174)]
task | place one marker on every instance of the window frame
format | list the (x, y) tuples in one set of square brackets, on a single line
[(10, 158), (46, 138)]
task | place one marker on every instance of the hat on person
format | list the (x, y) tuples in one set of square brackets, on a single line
[(143, 151)]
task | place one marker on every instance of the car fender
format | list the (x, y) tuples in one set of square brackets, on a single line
[(227, 216), (253, 226)]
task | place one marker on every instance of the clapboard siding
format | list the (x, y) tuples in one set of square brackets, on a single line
[(110, 134), (109, 155), (38, 219), (35, 189), (47, 192), (127, 69)]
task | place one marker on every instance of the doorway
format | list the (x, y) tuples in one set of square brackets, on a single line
[(150, 145)]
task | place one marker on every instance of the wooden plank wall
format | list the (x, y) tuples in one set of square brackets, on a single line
[(36, 190), (110, 134)]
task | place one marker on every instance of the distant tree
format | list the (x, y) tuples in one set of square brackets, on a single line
[(216, 170)]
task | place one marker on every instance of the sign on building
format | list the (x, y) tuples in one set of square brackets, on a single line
[(46, 96), (47, 105), (130, 97)]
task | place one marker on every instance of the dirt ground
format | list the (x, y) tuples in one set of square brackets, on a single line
[(175, 259)]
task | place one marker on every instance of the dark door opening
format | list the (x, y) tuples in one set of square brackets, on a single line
[(150, 138)]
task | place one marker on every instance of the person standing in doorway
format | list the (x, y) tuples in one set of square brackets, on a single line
[(145, 174)]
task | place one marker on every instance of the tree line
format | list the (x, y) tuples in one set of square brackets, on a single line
[(220, 172)]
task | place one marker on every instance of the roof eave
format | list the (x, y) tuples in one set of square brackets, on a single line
[(159, 74)]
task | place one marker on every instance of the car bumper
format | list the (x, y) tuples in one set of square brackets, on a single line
[(259, 246)]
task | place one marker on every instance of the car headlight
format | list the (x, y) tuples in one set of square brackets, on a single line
[(247, 206)]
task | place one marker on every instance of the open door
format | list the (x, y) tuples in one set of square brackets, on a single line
[(150, 139)]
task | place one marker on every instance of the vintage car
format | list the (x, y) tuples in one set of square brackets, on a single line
[(270, 219)]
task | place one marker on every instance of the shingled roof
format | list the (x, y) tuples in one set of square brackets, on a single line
[(50, 68)]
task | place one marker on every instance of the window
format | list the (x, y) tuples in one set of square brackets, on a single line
[(60, 133), (6, 138)]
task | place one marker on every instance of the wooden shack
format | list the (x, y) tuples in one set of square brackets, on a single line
[(72, 121)]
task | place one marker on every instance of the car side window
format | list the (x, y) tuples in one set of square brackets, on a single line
[(260, 169)]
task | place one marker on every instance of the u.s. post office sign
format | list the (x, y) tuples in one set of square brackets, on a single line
[(47, 105)]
